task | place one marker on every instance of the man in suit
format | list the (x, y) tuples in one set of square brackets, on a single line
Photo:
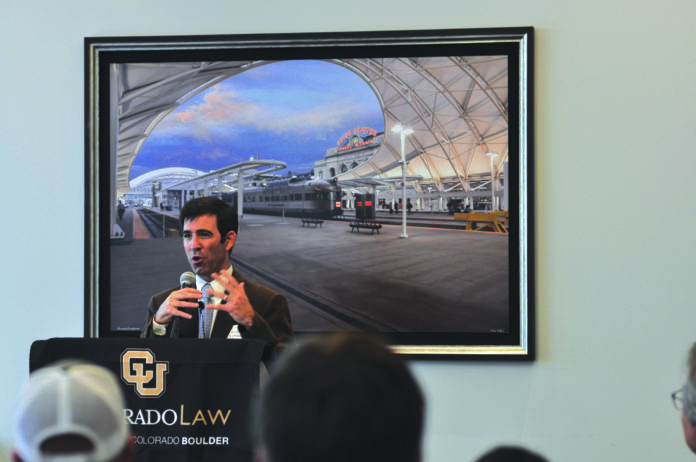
[(233, 306)]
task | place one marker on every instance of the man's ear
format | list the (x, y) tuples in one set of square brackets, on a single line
[(230, 238)]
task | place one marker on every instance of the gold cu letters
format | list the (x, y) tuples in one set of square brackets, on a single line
[(133, 372)]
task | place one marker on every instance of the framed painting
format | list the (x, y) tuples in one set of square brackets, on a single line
[(382, 180)]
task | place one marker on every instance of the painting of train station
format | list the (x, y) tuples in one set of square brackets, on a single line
[(398, 223)]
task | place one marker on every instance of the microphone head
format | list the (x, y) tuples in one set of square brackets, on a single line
[(187, 279)]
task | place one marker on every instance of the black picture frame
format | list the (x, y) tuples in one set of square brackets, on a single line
[(103, 141)]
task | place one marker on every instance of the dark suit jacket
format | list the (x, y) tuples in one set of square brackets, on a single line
[(271, 317)]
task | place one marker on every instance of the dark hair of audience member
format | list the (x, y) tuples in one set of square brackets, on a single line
[(341, 398), (510, 454)]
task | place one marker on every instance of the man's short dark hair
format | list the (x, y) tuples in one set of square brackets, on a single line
[(227, 219), (511, 454), (341, 398)]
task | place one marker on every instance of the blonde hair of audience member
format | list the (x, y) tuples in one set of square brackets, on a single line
[(340, 398)]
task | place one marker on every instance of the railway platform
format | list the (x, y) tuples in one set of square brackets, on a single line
[(437, 280)]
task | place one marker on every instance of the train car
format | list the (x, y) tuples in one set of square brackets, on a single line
[(292, 197)]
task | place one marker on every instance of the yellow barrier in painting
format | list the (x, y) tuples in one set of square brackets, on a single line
[(477, 221)]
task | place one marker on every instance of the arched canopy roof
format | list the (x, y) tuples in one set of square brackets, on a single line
[(457, 107), (166, 175)]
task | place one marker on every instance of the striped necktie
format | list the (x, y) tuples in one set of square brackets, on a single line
[(206, 321)]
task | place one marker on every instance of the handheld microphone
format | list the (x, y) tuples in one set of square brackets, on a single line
[(187, 279)]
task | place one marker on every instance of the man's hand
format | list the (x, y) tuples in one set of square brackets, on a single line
[(171, 307), (233, 300)]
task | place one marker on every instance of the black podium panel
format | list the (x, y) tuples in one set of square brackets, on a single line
[(188, 399)]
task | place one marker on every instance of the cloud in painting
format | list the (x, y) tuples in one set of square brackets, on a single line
[(291, 111), (227, 114)]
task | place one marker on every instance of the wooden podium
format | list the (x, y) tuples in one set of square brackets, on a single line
[(187, 399)]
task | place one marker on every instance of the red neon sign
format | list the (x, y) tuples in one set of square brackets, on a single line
[(357, 131), (356, 145)]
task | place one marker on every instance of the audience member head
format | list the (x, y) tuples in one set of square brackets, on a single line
[(226, 215), (510, 454), (341, 398), (72, 411), (688, 401)]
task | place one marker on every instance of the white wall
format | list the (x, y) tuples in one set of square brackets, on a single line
[(615, 116)]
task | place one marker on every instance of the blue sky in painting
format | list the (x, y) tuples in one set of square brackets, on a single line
[(292, 111)]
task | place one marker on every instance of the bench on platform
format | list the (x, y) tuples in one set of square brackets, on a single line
[(312, 221), (356, 225)]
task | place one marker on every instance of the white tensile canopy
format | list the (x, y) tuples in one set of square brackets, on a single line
[(456, 106)]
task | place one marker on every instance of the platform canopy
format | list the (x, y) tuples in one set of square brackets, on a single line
[(456, 106), (166, 176)]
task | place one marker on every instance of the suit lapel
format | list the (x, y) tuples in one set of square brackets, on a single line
[(223, 325)]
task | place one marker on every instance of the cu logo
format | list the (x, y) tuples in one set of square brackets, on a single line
[(139, 368)]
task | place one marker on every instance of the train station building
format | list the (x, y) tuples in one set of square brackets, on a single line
[(454, 109)]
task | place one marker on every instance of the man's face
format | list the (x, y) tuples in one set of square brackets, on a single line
[(204, 249)]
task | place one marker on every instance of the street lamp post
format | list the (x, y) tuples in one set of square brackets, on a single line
[(404, 132), (492, 155)]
